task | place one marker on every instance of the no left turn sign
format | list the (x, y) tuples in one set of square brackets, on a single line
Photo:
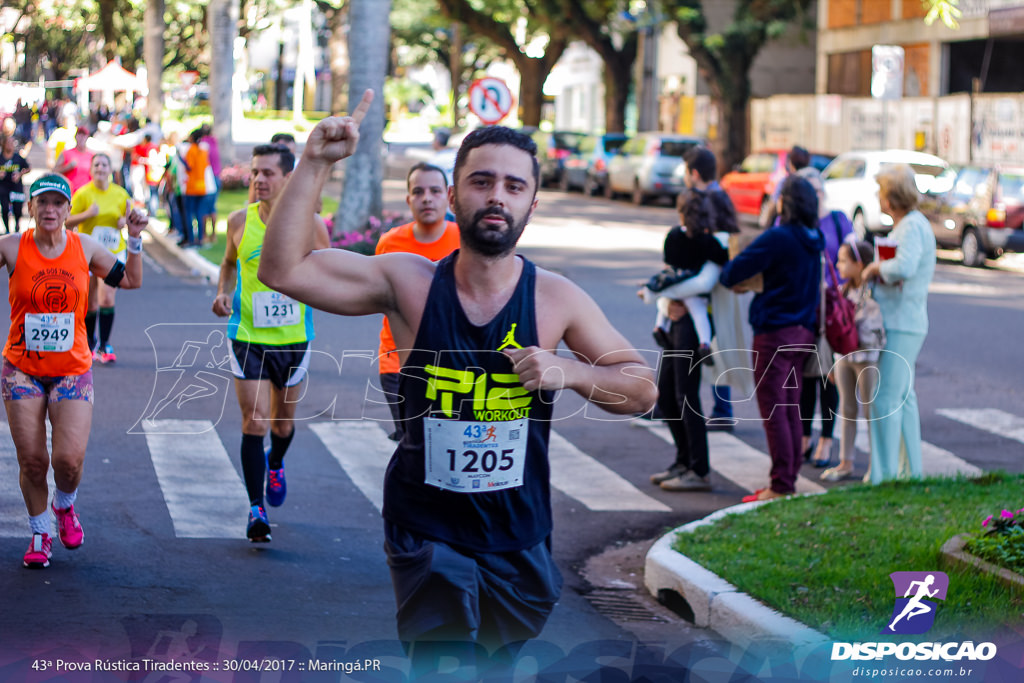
[(490, 99)]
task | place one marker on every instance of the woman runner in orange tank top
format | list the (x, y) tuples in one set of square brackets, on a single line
[(47, 362)]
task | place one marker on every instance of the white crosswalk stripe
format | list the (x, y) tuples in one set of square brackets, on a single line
[(204, 494), (733, 459), (990, 420), (363, 450), (935, 461), (580, 476)]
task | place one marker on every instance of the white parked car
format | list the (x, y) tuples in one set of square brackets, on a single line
[(850, 184)]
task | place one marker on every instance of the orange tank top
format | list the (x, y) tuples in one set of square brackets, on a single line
[(49, 299)]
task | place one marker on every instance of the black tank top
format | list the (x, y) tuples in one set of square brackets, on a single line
[(457, 372)]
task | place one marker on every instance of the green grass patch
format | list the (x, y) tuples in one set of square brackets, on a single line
[(229, 201), (825, 560)]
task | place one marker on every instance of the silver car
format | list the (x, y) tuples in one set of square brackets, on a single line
[(644, 167)]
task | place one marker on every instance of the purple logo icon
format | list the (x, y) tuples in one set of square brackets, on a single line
[(913, 611)]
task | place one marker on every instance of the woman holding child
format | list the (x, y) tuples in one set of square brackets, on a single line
[(683, 328)]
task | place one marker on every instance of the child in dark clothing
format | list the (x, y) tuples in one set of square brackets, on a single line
[(688, 247)]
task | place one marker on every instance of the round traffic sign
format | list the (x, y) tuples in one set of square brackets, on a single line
[(490, 99)]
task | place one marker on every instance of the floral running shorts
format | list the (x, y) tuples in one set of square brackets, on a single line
[(16, 385)]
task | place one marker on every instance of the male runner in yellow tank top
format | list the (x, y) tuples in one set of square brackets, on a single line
[(270, 335)]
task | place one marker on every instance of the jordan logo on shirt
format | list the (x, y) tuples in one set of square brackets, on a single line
[(510, 339)]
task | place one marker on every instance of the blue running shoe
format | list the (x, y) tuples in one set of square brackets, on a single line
[(258, 530), (277, 487)]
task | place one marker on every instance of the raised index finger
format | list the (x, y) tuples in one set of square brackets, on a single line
[(364, 106)]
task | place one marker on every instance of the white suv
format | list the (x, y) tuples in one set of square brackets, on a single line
[(850, 184)]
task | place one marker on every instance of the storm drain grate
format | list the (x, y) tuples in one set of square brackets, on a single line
[(619, 604)]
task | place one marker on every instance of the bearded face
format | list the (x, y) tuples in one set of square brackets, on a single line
[(490, 231)]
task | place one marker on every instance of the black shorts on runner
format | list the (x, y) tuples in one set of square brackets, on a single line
[(449, 594), (284, 366)]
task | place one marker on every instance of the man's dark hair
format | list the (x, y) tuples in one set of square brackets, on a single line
[(497, 135), (285, 159), (702, 160), (799, 202), (799, 157), (281, 138), (424, 166)]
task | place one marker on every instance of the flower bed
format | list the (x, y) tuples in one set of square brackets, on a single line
[(364, 241), (1002, 544)]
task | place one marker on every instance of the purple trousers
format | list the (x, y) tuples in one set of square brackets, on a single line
[(779, 358)]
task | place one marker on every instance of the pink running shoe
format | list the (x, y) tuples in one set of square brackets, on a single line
[(69, 529), (108, 355), (39, 550)]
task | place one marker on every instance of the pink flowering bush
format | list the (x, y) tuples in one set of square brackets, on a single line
[(1003, 541), (235, 177), (364, 241)]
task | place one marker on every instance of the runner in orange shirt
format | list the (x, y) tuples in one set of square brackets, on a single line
[(429, 235), (47, 361)]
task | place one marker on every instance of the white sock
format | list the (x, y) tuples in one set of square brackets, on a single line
[(41, 524), (62, 501)]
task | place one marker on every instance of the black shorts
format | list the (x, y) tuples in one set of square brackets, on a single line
[(450, 594), (284, 366)]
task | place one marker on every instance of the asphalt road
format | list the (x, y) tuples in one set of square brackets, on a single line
[(166, 573)]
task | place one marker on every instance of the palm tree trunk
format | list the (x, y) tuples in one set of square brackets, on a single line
[(368, 37), (153, 51), (223, 17)]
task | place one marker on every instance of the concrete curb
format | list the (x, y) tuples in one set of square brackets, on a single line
[(157, 230), (719, 605)]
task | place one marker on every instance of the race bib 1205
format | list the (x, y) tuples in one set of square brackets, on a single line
[(473, 457)]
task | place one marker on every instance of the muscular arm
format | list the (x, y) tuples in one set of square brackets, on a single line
[(606, 370), (333, 280)]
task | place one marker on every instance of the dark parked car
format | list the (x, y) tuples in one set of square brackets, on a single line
[(552, 151), (978, 208), (588, 170)]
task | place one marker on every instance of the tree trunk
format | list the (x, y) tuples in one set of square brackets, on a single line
[(369, 31), (153, 51), (617, 77), (455, 71), (337, 46), (223, 27), (532, 73), (107, 10), (734, 134)]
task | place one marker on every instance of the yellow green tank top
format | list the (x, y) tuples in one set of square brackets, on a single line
[(259, 315)]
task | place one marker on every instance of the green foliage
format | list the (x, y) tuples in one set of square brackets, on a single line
[(824, 560), (1004, 551), (1003, 541)]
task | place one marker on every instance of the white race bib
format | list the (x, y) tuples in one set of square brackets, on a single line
[(109, 238), (473, 457), (273, 309), (49, 331)]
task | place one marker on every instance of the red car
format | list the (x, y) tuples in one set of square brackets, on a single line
[(753, 183)]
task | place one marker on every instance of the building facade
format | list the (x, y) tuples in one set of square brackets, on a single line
[(980, 55)]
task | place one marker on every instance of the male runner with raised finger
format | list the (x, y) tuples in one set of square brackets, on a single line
[(467, 505)]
